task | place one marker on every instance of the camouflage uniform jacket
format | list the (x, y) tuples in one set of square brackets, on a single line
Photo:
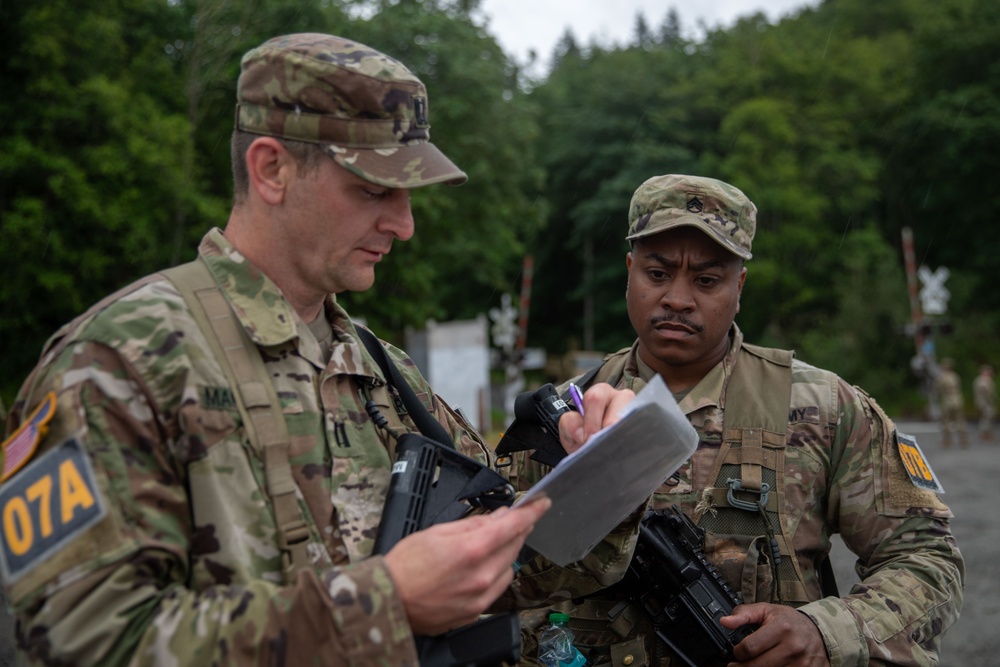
[(842, 473), (948, 386), (181, 565), (984, 391)]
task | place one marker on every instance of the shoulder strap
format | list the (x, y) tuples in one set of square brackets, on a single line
[(425, 422), (588, 378), (256, 399)]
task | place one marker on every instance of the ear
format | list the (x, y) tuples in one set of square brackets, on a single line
[(270, 168), (628, 271), (739, 286)]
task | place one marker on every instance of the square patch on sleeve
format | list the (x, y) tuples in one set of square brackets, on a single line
[(45, 506), (916, 465)]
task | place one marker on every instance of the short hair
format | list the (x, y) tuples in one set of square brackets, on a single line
[(307, 157)]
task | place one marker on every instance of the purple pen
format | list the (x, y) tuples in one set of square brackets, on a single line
[(577, 397)]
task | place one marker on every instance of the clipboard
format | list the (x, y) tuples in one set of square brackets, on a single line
[(611, 475)]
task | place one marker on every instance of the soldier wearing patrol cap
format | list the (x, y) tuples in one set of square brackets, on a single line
[(192, 473), (787, 453)]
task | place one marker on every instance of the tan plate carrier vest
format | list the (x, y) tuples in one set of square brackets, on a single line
[(747, 498)]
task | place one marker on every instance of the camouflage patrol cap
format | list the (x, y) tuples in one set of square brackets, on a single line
[(716, 208), (368, 111)]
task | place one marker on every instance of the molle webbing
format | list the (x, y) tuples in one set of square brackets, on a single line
[(749, 468), (257, 401)]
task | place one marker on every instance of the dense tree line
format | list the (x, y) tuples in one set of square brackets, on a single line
[(844, 123)]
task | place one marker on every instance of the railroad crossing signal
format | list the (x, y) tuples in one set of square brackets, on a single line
[(934, 295), (504, 328)]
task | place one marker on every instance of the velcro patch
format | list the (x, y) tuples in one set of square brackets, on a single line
[(916, 465), (46, 505), (22, 443)]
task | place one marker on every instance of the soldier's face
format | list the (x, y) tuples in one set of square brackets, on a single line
[(683, 293), (342, 226)]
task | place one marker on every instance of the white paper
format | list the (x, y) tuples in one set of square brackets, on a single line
[(611, 475)]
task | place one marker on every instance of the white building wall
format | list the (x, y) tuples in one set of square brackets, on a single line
[(455, 359)]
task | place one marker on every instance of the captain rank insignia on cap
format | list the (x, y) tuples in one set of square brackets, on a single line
[(420, 111), (22, 443), (48, 503)]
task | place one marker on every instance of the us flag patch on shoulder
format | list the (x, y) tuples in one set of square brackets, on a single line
[(22, 443)]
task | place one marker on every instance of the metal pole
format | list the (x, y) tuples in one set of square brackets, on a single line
[(924, 356), (916, 315), (522, 322)]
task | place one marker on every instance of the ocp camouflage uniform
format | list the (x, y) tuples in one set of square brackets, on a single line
[(841, 473), (984, 391), (948, 387), (184, 567)]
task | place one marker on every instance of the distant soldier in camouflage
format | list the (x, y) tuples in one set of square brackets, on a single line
[(787, 452), (192, 474), (984, 390), (948, 388)]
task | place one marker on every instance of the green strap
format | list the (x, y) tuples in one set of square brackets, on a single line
[(257, 401)]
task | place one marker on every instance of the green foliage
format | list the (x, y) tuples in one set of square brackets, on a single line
[(470, 239), (866, 316), (839, 123), (946, 170), (88, 161), (843, 124), (605, 130)]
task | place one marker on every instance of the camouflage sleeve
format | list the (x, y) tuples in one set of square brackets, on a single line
[(912, 574), (119, 590)]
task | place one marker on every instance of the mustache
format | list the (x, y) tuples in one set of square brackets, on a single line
[(674, 318)]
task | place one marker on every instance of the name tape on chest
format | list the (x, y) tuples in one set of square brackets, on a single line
[(47, 504), (916, 465)]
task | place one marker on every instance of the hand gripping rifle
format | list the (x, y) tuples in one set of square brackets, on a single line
[(681, 594), (433, 483), (669, 579)]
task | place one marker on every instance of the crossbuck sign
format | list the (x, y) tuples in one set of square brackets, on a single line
[(934, 295)]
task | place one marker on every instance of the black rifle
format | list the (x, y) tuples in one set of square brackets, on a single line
[(432, 483), (681, 594)]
